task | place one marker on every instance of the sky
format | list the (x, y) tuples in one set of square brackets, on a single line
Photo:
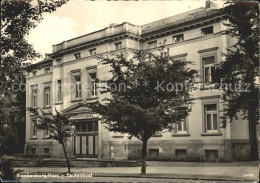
[(79, 17)]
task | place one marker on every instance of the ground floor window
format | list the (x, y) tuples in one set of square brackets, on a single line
[(46, 150), (211, 154), (180, 154), (33, 150), (154, 152)]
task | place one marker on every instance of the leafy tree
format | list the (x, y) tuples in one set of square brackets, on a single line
[(59, 126), (241, 65), (17, 19), (144, 97)]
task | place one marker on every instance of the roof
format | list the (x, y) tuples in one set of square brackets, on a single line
[(178, 19)]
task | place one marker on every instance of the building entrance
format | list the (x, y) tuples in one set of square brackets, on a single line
[(86, 139)]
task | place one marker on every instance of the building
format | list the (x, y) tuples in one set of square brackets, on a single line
[(196, 35)]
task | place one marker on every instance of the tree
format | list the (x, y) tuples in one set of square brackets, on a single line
[(241, 66), (146, 95), (59, 126), (17, 19)]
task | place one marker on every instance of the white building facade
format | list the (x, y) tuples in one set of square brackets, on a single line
[(196, 35)]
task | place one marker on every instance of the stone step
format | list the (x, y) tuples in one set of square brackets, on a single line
[(57, 163)]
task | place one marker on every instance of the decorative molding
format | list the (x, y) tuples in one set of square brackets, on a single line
[(211, 134), (46, 82), (209, 97), (91, 67), (58, 103), (181, 135), (207, 50), (75, 71), (180, 55)]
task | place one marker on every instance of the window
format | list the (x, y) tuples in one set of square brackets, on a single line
[(76, 80), (211, 154), (47, 96), (208, 69), (59, 91), (152, 44), (92, 126), (211, 117), (34, 96), (34, 150), (46, 133), (118, 45), (92, 52), (47, 70), (46, 150), (207, 30), (180, 154), (77, 56), (34, 73), (154, 152), (34, 129), (77, 128), (182, 126), (178, 38), (58, 60), (93, 84), (87, 126)]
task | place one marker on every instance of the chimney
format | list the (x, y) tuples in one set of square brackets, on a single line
[(210, 5), (112, 25)]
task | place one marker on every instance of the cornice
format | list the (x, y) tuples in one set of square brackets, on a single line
[(96, 42)]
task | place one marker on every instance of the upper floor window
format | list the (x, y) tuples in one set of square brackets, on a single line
[(46, 133), (47, 97), (211, 117), (34, 96), (34, 73), (34, 128), (58, 60), (152, 44), (92, 52), (208, 68), (77, 56), (206, 30), (59, 91), (177, 38), (118, 45), (47, 70), (93, 84), (76, 80), (182, 126)]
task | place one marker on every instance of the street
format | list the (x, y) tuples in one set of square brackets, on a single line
[(156, 172), (111, 179)]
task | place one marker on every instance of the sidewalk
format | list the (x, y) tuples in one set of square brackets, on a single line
[(247, 171)]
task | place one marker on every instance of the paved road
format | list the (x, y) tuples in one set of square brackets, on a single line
[(177, 170), (113, 179)]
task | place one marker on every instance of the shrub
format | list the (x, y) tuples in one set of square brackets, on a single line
[(7, 170)]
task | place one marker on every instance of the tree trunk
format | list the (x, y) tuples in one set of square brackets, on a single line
[(144, 154), (253, 140), (67, 160)]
